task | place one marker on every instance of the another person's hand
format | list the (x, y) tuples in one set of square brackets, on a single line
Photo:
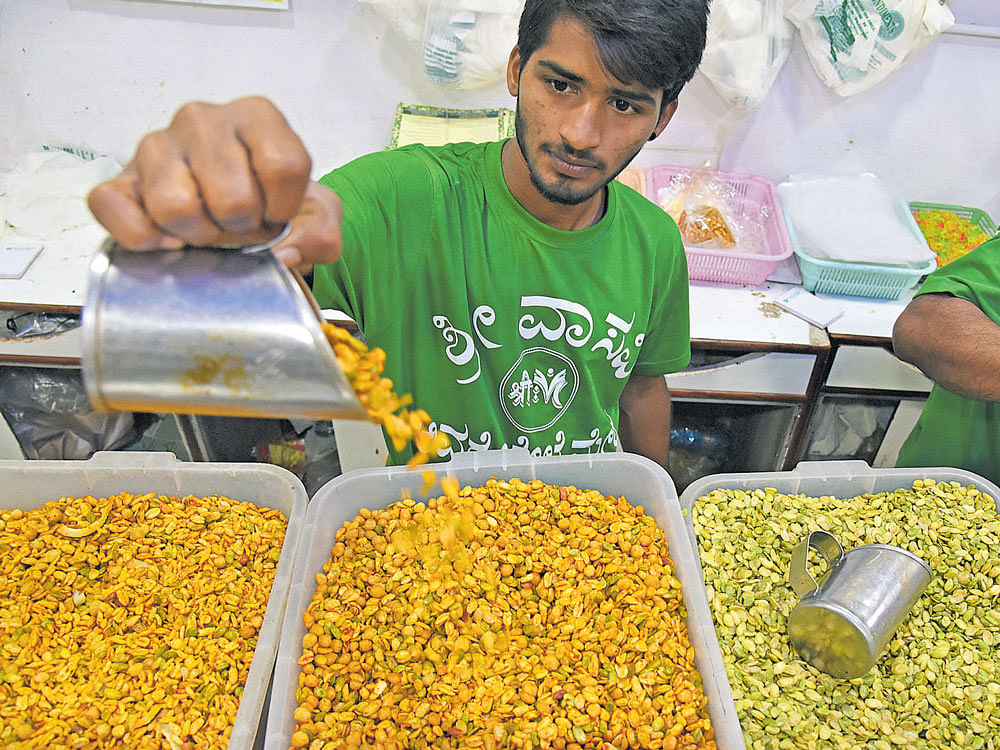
[(224, 175)]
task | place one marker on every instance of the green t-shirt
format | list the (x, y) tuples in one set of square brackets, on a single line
[(953, 430), (508, 332)]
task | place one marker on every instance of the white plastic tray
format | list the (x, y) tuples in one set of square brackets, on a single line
[(640, 480), (31, 484)]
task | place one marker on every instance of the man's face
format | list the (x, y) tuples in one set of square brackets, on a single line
[(577, 125)]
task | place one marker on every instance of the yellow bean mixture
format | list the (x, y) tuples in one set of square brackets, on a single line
[(363, 368), (130, 620), (513, 615)]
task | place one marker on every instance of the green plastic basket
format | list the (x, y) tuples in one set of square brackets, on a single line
[(859, 279)]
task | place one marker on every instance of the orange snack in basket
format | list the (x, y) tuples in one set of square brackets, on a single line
[(705, 224), (949, 235)]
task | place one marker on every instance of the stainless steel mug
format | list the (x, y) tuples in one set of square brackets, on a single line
[(842, 624), (207, 331)]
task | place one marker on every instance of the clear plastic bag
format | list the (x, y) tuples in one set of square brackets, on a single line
[(30, 325), (697, 451), (463, 44), (711, 213), (854, 45), (45, 193), (747, 44), (48, 411), (467, 43)]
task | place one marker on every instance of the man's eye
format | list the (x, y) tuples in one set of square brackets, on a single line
[(622, 105), (559, 86)]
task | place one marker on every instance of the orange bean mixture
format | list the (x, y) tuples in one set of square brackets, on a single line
[(511, 615), (130, 620), (363, 368)]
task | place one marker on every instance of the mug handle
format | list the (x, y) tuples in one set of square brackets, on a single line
[(799, 576)]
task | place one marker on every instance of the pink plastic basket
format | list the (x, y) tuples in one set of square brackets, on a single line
[(750, 197)]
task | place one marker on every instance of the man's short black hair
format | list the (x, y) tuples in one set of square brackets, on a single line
[(655, 43)]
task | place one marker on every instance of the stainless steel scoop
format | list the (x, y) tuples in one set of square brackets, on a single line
[(843, 623), (207, 331)]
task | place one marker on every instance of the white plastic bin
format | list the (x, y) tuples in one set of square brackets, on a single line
[(842, 479), (641, 481), (31, 484)]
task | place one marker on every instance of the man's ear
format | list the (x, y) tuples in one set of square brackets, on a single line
[(513, 71), (665, 116)]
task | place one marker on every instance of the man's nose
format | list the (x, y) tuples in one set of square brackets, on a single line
[(581, 131)]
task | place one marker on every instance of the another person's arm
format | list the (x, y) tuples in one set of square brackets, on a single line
[(229, 175), (953, 343), (644, 421)]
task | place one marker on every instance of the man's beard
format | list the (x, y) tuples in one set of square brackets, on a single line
[(562, 193)]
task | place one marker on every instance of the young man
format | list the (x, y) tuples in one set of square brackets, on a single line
[(522, 297), (951, 331)]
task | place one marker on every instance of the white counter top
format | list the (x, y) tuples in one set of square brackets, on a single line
[(57, 278), (867, 317), (730, 312)]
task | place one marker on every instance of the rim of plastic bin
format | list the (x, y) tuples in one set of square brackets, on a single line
[(807, 473), (843, 265)]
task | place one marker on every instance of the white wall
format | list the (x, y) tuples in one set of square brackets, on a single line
[(100, 73)]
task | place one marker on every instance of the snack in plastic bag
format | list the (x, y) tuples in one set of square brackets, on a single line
[(705, 224), (699, 201)]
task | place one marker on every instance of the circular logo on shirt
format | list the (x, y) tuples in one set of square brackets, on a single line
[(538, 389)]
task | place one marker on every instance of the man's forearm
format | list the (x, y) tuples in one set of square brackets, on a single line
[(953, 343), (644, 424)]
